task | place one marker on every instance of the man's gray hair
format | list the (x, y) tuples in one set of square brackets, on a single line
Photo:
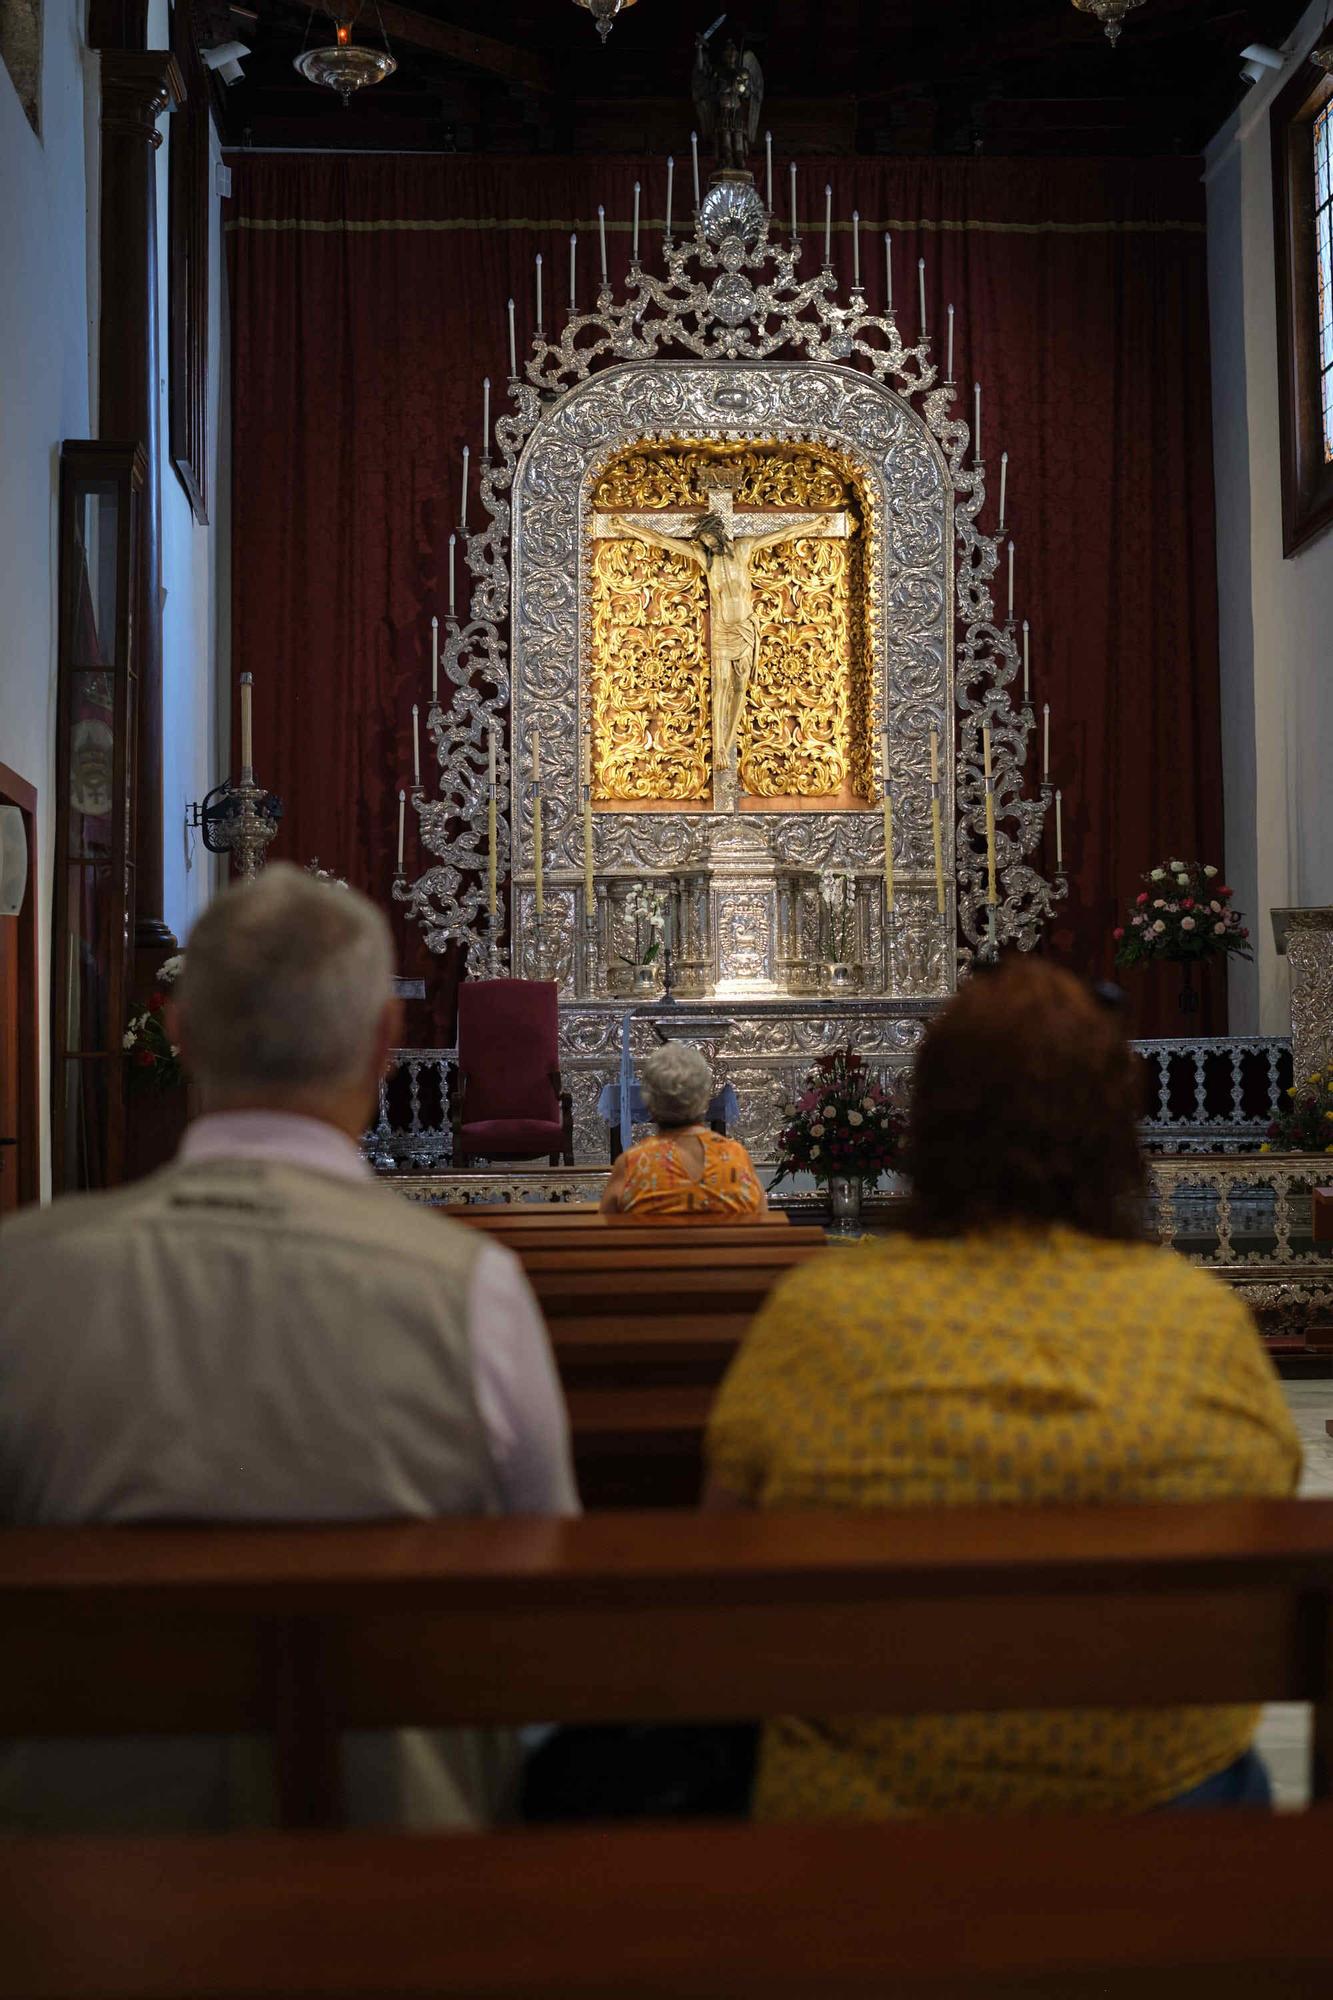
[(678, 1084), (285, 982)]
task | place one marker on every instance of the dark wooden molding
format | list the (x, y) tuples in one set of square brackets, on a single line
[(118, 24), (189, 209), (138, 86), (502, 59), (16, 791), (1307, 477)]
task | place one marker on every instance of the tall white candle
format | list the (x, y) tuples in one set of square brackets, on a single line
[(694, 161), (601, 237), (636, 223), (513, 346), (1045, 743), (1027, 658), (485, 416), (856, 248), (402, 812), (589, 879), (247, 745), (888, 272), (671, 189), (467, 454), (453, 545), (768, 170), (573, 271), (1011, 580), (435, 661), (921, 283), (1059, 833), (828, 222), (540, 320), (1004, 486), (976, 421), (793, 201), (948, 375), (416, 746)]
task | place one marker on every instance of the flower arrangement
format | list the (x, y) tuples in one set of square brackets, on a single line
[(837, 897), (1182, 913), (646, 909), (154, 1058), (842, 1123), (1306, 1126)]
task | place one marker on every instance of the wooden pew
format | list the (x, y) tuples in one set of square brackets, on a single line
[(1233, 1907), (509, 1218), (306, 1631)]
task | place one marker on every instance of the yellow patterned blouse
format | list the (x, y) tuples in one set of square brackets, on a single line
[(658, 1182), (1013, 1368)]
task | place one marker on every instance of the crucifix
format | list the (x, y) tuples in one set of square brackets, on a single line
[(722, 542)]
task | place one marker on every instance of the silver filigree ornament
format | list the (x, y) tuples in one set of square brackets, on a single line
[(704, 307)]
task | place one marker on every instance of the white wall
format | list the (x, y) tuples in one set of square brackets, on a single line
[(1276, 615), (48, 235), (194, 582)]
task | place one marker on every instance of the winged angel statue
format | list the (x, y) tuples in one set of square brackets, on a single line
[(728, 95)]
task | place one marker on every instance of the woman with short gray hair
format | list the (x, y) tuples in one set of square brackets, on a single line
[(688, 1169)]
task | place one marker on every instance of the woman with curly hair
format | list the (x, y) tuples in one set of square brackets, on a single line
[(687, 1169), (1019, 1344)]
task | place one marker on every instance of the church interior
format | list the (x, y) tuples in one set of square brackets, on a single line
[(666, 998)]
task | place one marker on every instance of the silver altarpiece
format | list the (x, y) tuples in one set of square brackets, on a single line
[(731, 351)]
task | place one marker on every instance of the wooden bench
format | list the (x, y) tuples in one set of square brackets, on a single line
[(302, 1632), (1235, 1907)]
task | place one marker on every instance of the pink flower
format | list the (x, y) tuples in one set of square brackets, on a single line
[(1187, 923), (1140, 920), (1219, 930), (1119, 931), (1243, 931), (1159, 903), (1142, 897), (1187, 902)]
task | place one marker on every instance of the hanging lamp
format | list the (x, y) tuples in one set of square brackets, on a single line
[(604, 12), (345, 66), (1111, 13)]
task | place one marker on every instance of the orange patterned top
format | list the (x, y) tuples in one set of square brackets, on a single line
[(658, 1182)]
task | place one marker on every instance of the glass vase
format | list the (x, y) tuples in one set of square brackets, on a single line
[(845, 1202)]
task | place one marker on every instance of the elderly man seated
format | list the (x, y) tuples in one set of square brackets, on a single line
[(259, 1333), (688, 1169)]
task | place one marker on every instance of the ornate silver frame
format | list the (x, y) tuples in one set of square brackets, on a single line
[(732, 342)]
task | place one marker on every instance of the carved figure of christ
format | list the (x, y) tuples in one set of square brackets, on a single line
[(722, 542)]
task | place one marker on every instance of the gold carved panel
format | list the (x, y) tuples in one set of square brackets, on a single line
[(806, 731)]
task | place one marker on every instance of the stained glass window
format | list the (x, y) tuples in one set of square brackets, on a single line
[(1323, 236)]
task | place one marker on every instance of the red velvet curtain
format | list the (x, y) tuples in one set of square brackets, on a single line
[(368, 301)]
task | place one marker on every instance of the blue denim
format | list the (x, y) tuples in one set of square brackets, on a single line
[(1244, 1783)]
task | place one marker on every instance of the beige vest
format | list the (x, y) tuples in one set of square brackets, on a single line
[(233, 1341)]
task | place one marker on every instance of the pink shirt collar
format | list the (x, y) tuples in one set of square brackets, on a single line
[(281, 1136)]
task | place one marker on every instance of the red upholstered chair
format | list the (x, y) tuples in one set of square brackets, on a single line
[(509, 1104)]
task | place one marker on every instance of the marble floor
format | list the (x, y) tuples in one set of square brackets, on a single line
[(1284, 1733)]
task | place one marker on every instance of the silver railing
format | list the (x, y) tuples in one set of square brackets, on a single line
[(1214, 1093), (412, 1132), (1242, 1211), (1210, 1095)]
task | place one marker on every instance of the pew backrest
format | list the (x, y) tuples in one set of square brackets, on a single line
[(1234, 1906), (306, 1631)]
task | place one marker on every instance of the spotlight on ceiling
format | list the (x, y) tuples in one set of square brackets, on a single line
[(1257, 60), (226, 60), (604, 12)]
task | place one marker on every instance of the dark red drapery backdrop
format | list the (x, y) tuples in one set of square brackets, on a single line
[(368, 301)]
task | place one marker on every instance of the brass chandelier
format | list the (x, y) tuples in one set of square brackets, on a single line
[(1111, 13), (604, 12), (345, 66)]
